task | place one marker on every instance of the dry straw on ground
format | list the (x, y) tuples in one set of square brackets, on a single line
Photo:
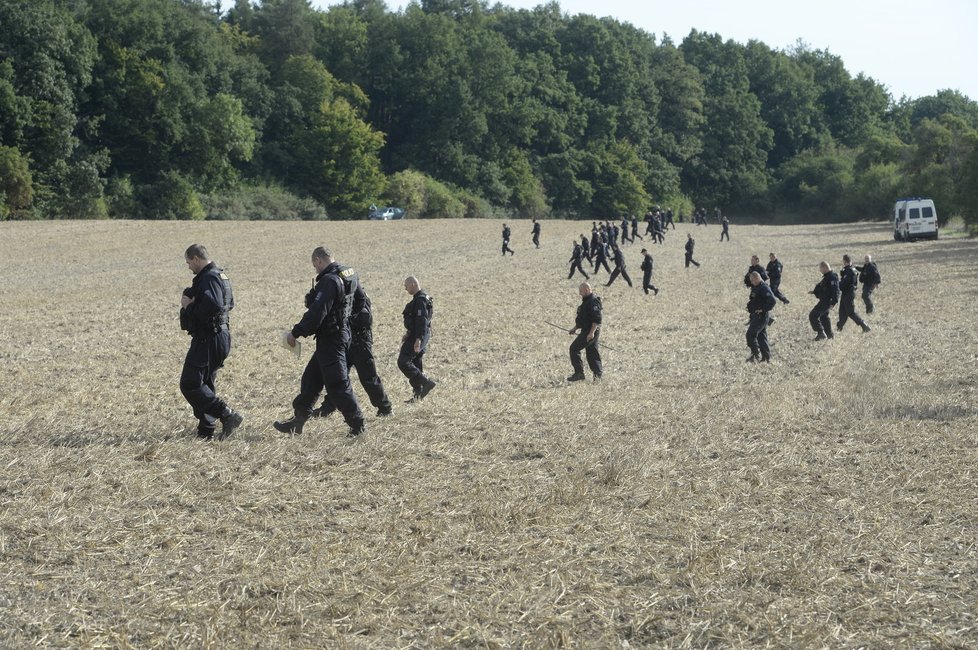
[(688, 500)]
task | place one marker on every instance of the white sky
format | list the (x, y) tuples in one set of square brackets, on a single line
[(913, 47)]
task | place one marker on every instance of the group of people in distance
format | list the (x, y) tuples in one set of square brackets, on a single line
[(338, 314)]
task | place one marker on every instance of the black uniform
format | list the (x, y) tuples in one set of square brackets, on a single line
[(827, 292), (327, 318), (588, 313), (774, 269), (847, 299), (506, 235), (206, 320), (761, 302), (619, 268), (595, 242), (726, 229), (755, 268), (668, 220), (586, 249), (536, 234), (417, 323), (360, 355), (600, 256), (647, 274), (577, 255), (690, 244), (869, 276), (635, 229)]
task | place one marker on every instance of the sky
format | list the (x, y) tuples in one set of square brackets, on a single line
[(914, 48)]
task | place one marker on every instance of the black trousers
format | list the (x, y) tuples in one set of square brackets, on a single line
[(776, 290), (647, 282), (726, 234), (619, 270), (819, 317), (411, 363), (599, 262), (536, 239), (690, 260), (205, 357), (868, 290), (847, 310), (757, 335), (506, 248), (360, 356), (591, 351), (327, 370), (576, 266)]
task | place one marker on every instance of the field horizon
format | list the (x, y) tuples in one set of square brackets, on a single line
[(688, 499)]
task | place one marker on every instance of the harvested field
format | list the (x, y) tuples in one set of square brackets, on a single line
[(687, 500)]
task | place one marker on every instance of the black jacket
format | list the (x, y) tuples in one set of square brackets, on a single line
[(690, 243), (774, 270), (760, 271), (869, 273), (588, 313), (213, 299), (647, 264), (329, 305), (827, 289), (761, 299), (848, 281), (619, 259), (417, 316)]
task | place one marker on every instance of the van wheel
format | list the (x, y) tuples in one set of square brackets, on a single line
[(896, 236)]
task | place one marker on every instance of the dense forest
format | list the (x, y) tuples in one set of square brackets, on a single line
[(189, 109)]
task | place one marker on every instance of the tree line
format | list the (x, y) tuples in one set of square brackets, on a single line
[(273, 109)]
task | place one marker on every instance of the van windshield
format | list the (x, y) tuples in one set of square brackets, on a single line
[(914, 213)]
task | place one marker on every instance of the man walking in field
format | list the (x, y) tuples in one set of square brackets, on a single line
[(588, 322), (827, 292), (755, 267), (417, 321), (360, 355), (869, 275), (759, 306), (726, 228), (536, 233), (327, 318), (506, 234), (690, 245), (646, 267), (577, 256), (204, 309), (619, 268), (774, 269), (847, 298)]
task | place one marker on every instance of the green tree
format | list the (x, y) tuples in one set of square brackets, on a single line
[(16, 183)]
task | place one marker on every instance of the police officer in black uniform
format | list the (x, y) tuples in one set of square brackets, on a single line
[(204, 309), (619, 268), (774, 269), (600, 253), (586, 249), (577, 256), (646, 267), (327, 317), (588, 321), (759, 306), (755, 267), (869, 276), (847, 299), (536, 233), (360, 355), (827, 292), (595, 242), (726, 228), (690, 244), (417, 323), (506, 234), (635, 229)]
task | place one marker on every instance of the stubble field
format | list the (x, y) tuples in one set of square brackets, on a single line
[(687, 500)]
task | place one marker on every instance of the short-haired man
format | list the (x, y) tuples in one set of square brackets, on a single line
[(755, 267), (646, 267), (774, 270), (759, 306), (506, 235), (536, 233), (327, 317), (588, 322), (417, 324), (204, 309), (690, 245), (847, 298), (827, 292), (869, 276)]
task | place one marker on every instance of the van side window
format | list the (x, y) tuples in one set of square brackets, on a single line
[(914, 213), (928, 212), (903, 214)]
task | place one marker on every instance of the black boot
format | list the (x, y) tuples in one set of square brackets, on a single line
[(292, 426), (229, 422)]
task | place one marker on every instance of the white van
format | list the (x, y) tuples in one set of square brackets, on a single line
[(914, 218)]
